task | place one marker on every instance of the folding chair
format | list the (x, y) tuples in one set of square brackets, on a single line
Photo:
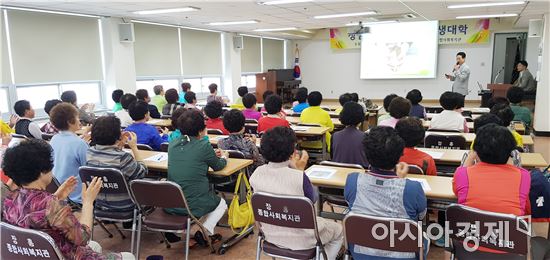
[(47, 137), (434, 110), (441, 141), (161, 195), (225, 186), (442, 130), (358, 230), (114, 184), (250, 121), (415, 169), (18, 240), (298, 207), (335, 196), (316, 153), (251, 129), (461, 220), (214, 131), (143, 147), (164, 147)]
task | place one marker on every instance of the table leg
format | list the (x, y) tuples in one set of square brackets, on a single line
[(324, 146)]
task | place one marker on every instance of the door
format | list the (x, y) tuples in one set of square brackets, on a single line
[(508, 48)]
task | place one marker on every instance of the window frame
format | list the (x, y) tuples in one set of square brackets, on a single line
[(200, 95)]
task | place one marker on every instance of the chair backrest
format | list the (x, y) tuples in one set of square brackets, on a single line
[(284, 211), (19, 136), (251, 129), (442, 130), (164, 147), (250, 121), (359, 230), (445, 141), (467, 114), (295, 114), (47, 137), (332, 115), (325, 108), (113, 180), (214, 131), (483, 228), (144, 147), (415, 169), (345, 165), (23, 244), (435, 110), (162, 194), (53, 186), (235, 154)]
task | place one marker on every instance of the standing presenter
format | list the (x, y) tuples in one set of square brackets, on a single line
[(460, 75)]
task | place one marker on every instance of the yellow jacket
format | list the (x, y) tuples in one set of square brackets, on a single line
[(316, 115), (5, 128)]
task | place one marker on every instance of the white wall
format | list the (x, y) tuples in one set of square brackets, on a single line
[(334, 72), (542, 106)]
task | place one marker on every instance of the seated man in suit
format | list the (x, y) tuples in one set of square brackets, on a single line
[(525, 80)]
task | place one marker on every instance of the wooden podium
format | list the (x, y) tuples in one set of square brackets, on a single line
[(499, 90), (281, 82)]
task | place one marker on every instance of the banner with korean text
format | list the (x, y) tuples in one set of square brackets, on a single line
[(344, 38), (468, 31)]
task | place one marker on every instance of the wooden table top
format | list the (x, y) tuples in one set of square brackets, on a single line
[(160, 122), (296, 120), (441, 187), (431, 115), (233, 165), (426, 124), (215, 138), (527, 139), (474, 110), (454, 157)]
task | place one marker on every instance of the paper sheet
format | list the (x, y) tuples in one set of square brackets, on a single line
[(160, 157), (300, 128), (320, 173), (433, 154), (425, 185)]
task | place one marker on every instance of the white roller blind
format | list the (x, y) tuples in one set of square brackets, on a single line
[(54, 48), (251, 55), (6, 75), (156, 50), (201, 52), (273, 54)]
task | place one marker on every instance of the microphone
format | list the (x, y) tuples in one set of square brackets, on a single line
[(498, 74), (457, 63)]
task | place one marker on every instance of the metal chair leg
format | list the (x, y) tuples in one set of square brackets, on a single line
[(258, 247), (187, 239), (133, 240), (119, 231), (102, 226), (138, 237)]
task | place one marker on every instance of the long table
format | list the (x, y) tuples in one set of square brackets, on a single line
[(470, 137), (233, 165)]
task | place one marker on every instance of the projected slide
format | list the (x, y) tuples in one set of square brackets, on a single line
[(400, 51)]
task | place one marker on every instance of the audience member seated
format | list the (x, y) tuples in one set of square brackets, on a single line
[(492, 184), (355, 98), (399, 107), (343, 99), (146, 133), (85, 117), (107, 153), (48, 127), (69, 150), (233, 121), (143, 95), (214, 111), (347, 144), (497, 100), (301, 100), (25, 126), (159, 100), (506, 115), (417, 110), (175, 115), (7, 128), (116, 95), (123, 115), (273, 105), (250, 111), (314, 114), (185, 86), (482, 120), (242, 90), (386, 104), (214, 94), (29, 165), (384, 190), (172, 104), (521, 113), (284, 175), (450, 118), (265, 95), (191, 100), (413, 133), (189, 158)]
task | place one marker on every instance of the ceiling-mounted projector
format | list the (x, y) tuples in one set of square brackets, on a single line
[(362, 29)]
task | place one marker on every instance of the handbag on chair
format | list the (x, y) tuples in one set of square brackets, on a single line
[(241, 215)]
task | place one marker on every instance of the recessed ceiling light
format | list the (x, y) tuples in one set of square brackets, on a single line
[(46, 11), (344, 15), (371, 23), (234, 22), (485, 4), (486, 16), (282, 2), (307, 31), (296, 35), (166, 11), (276, 29)]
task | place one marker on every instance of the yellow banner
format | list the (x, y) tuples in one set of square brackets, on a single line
[(470, 31), (344, 38)]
